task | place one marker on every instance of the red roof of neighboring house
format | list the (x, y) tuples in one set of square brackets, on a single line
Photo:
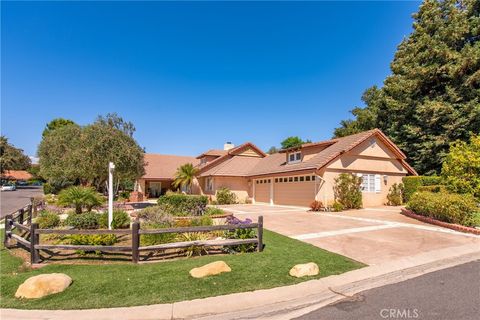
[(16, 175), (163, 166)]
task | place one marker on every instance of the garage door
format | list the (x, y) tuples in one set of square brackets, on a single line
[(262, 190), (294, 191)]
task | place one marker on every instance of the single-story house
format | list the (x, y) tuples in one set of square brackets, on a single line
[(298, 176), (159, 173)]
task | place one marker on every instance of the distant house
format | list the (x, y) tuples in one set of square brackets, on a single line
[(295, 176), (18, 175), (159, 173)]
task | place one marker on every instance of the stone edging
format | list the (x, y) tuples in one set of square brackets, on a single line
[(452, 226)]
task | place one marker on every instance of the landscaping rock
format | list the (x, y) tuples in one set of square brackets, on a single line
[(306, 269), (43, 285), (210, 269)]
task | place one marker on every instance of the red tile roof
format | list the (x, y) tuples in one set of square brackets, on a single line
[(237, 166), (213, 152), (163, 166), (16, 175)]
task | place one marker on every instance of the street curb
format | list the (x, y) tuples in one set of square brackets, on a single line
[(265, 304)]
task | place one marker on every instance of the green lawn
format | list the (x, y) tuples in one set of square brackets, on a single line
[(117, 285)]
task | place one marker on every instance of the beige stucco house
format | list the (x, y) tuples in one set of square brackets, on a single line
[(298, 176)]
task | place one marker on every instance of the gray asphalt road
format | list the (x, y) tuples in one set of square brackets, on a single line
[(13, 200), (449, 294)]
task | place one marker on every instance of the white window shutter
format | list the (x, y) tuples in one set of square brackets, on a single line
[(377, 183)]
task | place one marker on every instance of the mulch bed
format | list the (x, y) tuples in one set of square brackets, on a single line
[(452, 226)]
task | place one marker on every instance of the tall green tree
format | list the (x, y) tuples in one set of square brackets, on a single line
[(81, 155), (115, 121), (184, 176), (12, 158), (56, 124), (432, 97), (292, 142)]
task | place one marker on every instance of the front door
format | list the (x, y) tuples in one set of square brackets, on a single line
[(155, 189)]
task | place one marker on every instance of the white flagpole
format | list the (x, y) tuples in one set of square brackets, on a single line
[(111, 166)]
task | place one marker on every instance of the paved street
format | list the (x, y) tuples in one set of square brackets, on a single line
[(447, 294), (13, 200)]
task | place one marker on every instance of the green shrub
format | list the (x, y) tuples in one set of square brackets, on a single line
[(47, 220), (412, 183), (193, 236), (121, 220), (50, 199), (80, 197), (443, 206), (347, 191), (47, 188), (154, 239), (178, 204), (461, 168), (225, 196), (434, 188), (212, 211), (87, 220), (395, 195), (155, 214), (201, 221), (93, 239), (337, 207), (241, 234)]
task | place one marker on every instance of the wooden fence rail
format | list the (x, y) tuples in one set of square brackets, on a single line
[(31, 239)]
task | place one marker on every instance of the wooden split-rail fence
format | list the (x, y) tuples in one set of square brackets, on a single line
[(28, 236)]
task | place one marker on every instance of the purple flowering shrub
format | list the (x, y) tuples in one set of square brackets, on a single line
[(240, 234)]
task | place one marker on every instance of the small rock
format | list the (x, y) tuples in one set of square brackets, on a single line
[(43, 285), (210, 269), (306, 269)]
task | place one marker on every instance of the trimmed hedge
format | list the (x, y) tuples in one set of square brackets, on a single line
[(87, 220), (121, 220), (179, 204), (447, 207), (412, 183)]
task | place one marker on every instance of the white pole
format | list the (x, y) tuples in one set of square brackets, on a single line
[(111, 166)]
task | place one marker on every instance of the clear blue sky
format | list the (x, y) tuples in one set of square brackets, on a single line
[(191, 76)]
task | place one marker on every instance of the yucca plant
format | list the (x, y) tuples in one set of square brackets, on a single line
[(80, 197), (184, 176)]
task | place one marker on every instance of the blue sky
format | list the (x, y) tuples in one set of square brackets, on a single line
[(191, 76)]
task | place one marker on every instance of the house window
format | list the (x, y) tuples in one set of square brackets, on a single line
[(295, 179), (301, 179), (294, 157), (203, 161), (209, 184), (371, 183), (307, 178), (276, 180), (290, 179)]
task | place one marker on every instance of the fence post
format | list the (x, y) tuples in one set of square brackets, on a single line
[(34, 207), (20, 216), (29, 215), (260, 234), (34, 240), (8, 228), (135, 241)]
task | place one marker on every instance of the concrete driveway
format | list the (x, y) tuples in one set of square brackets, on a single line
[(371, 235)]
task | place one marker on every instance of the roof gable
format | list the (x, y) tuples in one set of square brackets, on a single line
[(164, 166)]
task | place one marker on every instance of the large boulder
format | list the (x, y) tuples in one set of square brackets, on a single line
[(210, 269), (43, 285), (306, 269)]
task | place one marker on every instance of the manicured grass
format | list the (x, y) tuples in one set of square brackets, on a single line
[(116, 285)]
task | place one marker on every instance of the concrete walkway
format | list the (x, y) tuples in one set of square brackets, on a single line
[(292, 301)]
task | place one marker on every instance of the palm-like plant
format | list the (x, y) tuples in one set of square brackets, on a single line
[(80, 197), (184, 176)]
